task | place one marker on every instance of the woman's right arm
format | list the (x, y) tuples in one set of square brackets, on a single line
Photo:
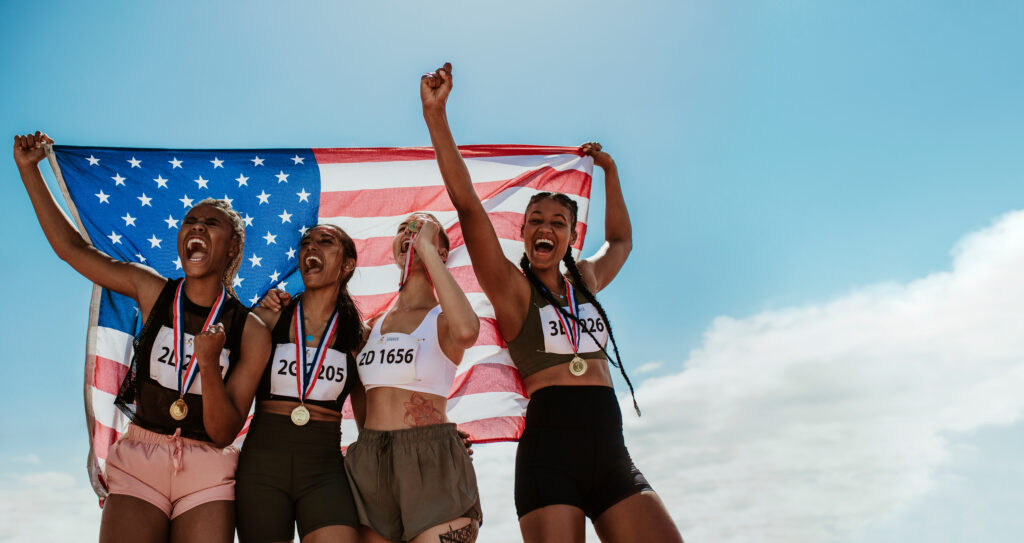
[(269, 310), (494, 271), (138, 282)]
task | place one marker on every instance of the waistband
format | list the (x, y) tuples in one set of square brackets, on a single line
[(142, 435), (408, 435), (278, 432), (567, 407)]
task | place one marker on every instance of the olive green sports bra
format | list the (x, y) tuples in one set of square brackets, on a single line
[(542, 342)]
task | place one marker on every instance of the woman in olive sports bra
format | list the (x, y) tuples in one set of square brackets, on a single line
[(571, 462)]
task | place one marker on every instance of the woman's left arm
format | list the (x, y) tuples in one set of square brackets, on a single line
[(603, 266), (458, 326)]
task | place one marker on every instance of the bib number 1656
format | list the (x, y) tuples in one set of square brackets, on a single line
[(387, 356)]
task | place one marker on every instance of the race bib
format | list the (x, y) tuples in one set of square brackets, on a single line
[(161, 361), (389, 360), (330, 380), (555, 338)]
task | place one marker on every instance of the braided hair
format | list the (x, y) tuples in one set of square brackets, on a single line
[(350, 323), (579, 284)]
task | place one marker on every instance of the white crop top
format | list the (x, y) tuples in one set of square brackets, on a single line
[(412, 362)]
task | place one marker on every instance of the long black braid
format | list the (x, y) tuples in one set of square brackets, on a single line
[(579, 284)]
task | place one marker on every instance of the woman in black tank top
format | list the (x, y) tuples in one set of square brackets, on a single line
[(210, 242), (291, 470), (571, 462)]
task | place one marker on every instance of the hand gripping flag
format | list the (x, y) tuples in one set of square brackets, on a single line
[(129, 203)]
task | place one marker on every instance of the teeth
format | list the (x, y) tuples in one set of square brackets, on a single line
[(313, 260), (195, 243), (546, 242)]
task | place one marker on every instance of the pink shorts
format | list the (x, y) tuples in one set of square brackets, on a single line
[(171, 472)]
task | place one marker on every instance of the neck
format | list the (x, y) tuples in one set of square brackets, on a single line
[(551, 278), (319, 302), (202, 290), (417, 293)]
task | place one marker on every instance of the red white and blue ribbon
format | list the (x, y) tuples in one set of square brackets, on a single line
[(572, 328), (187, 372), (407, 268), (306, 372)]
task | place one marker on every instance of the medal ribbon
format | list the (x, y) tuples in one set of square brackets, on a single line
[(187, 372), (407, 268), (305, 374), (572, 328)]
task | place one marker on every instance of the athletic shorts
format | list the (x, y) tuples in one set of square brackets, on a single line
[(169, 471), (572, 452), (290, 475), (406, 481)]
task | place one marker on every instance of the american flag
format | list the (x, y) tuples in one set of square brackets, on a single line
[(130, 202)]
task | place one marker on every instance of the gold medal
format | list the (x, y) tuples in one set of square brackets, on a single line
[(577, 366), (300, 415), (179, 409)]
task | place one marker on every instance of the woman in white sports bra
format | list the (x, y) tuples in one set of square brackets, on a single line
[(410, 472)]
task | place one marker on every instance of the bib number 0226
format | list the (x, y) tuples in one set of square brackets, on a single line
[(387, 356)]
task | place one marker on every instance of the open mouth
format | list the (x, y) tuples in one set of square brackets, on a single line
[(405, 246), (543, 246), (313, 263), (196, 249)]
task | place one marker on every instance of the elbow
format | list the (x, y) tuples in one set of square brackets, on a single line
[(224, 438), (623, 244), (466, 335)]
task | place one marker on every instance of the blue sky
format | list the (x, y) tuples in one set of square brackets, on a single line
[(774, 155)]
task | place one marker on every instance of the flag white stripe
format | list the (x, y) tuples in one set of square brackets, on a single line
[(485, 405)]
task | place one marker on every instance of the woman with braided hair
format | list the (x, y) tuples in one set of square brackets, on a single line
[(571, 461), (194, 371)]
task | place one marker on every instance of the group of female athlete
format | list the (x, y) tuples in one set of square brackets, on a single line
[(201, 359)]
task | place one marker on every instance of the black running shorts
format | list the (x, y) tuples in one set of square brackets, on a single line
[(572, 452)]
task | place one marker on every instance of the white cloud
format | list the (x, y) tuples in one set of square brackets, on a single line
[(801, 424), (27, 459), (648, 367), (47, 506)]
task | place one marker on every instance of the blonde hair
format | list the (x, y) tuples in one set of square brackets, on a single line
[(238, 230)]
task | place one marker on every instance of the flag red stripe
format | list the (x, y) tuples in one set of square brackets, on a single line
[(103, 437), (399, 201), (494, 429), (394, 154), (107, 375), (487, 378), (489, 334)]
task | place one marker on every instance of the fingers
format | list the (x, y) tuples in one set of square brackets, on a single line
[(445, 72), (272, 300), (216, 329)]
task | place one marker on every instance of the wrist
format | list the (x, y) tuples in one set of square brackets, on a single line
[(434, 113), (26, 166)]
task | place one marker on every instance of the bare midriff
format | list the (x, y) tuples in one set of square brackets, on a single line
[(389, 408), (279, 407), (597, 374)]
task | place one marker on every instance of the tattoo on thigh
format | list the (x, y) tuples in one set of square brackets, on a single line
[(466, 534)]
